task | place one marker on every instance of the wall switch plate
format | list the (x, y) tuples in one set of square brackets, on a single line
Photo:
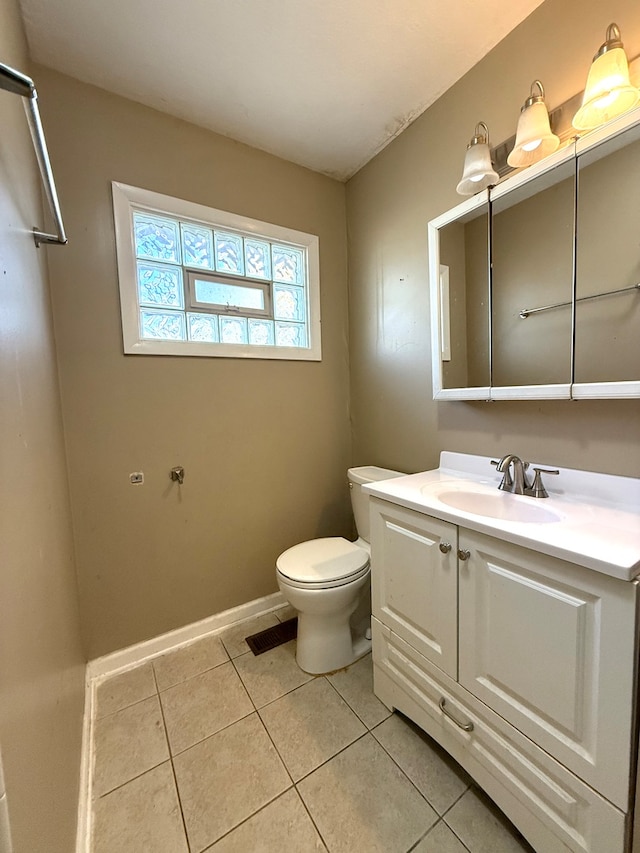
[(137, 478)]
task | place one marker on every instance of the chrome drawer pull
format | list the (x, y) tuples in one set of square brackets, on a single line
[(466, 727), (445, 547), (463, 554)]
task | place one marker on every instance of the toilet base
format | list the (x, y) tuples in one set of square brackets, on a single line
[(335, 650), (332, 622)]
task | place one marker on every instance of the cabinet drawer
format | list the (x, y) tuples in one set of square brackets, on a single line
[(549, 646), (552, 807), (414, 580)]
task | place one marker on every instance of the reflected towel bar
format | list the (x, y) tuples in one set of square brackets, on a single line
[(527, 311), (20, 84)]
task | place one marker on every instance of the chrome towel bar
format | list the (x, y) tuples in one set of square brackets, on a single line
[(526, 312), (13, 81)]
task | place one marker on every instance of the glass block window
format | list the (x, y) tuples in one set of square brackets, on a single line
[(197, 246), (159, 285), (156, 238), (199, 281)]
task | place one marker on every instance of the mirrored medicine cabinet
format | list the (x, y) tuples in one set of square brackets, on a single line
[(535, 283)]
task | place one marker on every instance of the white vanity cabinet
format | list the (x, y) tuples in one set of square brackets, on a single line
[(519, 664)]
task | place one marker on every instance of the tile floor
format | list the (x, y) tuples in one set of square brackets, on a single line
[(209, 748)]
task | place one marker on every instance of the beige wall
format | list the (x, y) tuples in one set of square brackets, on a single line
[(41, 664), (265, 444), (395, 421)]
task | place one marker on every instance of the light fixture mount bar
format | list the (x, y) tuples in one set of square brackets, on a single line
[(560, 119)]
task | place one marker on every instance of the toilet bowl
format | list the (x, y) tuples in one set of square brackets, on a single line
[(328, 582)]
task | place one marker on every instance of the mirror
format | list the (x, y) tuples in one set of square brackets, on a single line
[(532, 281), (464, 300), (607, 345), (543, 286)]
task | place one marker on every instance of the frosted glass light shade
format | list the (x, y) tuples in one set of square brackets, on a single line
[(478, 172), (534, 139), (608, 92)]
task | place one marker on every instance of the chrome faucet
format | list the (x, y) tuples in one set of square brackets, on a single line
[(518, 483)]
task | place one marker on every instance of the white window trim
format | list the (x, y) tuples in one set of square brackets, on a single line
[(126, 198)]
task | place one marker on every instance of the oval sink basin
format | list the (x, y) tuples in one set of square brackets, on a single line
[(501, 505)]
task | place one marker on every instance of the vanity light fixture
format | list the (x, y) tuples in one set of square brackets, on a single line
[(478, 172), (534, 139), (608, 92)]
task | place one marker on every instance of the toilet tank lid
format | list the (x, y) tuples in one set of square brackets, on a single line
[(322, 560), (371, 474)]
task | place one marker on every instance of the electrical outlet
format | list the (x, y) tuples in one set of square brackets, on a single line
[(137, 478)]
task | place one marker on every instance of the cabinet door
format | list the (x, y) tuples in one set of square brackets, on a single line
[(550, 646), (414, 580)]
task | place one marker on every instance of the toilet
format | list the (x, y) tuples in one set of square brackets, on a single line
[(328, 582)]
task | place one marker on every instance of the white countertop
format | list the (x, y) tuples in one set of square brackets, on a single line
[(595, 517)]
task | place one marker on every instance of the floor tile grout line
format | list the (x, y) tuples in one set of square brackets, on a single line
[(286, 693), (306, 775), (424, 797), (132, 779), (296, 783), (292, 786), (422, 837), (331, 757), (195, 675), (244, 820), (431, 829), (210, 735), (453, 832), (152, 659), (275, 613), (344, 699), (191, 677), (449, 827), (255, 707), (311, 818), (456, 801), (255, 711), (363, 735), (97, 717), (173, 769), (262, 723), (481, 793)]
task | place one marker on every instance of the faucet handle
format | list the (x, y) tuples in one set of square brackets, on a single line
[(537, 490)]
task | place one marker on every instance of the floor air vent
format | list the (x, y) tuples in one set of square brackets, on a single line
[(263, 641)]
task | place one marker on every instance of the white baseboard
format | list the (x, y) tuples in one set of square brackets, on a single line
[(83, 832), (141, 652), (133, 656)]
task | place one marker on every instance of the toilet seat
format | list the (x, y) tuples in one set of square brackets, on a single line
[(323, 563)]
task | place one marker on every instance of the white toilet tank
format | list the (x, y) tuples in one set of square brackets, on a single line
[(359, 499)]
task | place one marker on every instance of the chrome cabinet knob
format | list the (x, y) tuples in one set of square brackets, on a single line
[(445, 547), (463, 554)]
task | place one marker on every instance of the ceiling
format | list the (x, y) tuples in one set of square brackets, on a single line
[(323, 83)]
